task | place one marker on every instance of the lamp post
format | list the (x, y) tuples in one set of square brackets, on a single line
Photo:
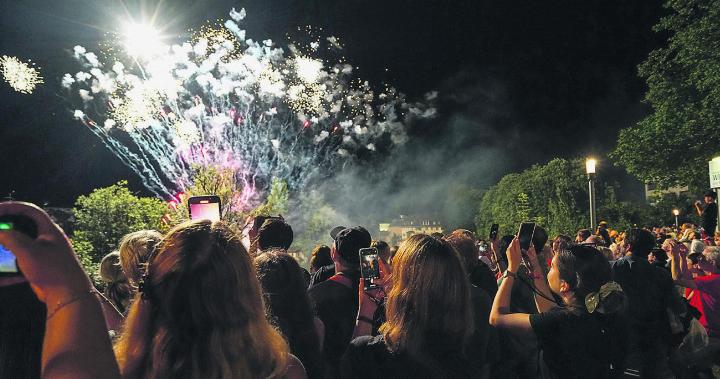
[(676, 212), (590, 170)]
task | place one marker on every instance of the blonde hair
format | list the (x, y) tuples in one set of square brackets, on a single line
[(201, 313), (117, 288), (135, 248), (428, 308)]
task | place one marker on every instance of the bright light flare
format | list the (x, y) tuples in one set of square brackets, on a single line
[(590, 164), (21, 76), (142, 41)]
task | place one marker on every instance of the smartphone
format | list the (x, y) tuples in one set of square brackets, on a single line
[(369, 266), (525, 235), (494, 231), (8, 263), (204, 208)]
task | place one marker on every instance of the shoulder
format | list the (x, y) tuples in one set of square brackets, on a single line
[(553, 319)]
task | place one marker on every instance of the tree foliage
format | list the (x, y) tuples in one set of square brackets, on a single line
[(107, 214), (673, 144), (555, 195)]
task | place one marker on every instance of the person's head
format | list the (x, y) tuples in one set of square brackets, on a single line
[(200, 312), (658, 255), (383, 250), (578, 271), (320, 257), (348, 243), (503, 246), (135, 248), (696, 235), (639, 242), (428, 306), (710, 261), (716, 238), (274, 233), (117, 288), (466, 247), (539, 239), (603, 225), (710, 197), (288, 306), (561, 242), (582, 235)]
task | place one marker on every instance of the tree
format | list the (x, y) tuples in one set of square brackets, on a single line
[(104, 216), (555, 196), (673, 144)]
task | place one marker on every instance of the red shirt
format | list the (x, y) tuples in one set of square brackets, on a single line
[(709, 287)]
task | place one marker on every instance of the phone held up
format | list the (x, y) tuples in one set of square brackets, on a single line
[(494, 231), (369, 267), (525, 237), (204, 208), (23, 224)]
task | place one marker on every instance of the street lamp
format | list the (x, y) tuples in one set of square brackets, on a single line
[(676, 212), (590, 164)]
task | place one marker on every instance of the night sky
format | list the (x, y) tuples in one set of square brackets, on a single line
[(532, 80)]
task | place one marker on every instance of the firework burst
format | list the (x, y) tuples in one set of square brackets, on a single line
[(225, 101), (22, 77)]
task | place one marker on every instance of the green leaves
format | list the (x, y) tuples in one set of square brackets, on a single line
[(107, 214), (673, 144)]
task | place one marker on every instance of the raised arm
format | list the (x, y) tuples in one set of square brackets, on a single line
[(76, 343), (500, 315), (678, 264)]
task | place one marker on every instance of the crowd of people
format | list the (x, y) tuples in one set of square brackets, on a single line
[(195, 302)]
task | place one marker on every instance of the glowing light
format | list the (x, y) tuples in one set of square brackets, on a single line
[(676, 212), (590, 164), (21, 76), (142, 41)]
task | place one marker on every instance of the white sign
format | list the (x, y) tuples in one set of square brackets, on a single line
[(715, 173)]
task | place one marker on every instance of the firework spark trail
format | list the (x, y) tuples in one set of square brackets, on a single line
[(228, 102)]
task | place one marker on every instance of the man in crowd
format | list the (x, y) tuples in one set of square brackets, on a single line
[(335, 300), (708, 213), (649, 290), (582, 235), (274, 233), (706, 290)]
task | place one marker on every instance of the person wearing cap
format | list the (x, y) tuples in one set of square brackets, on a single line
[(708, 213), (603, 232), (335, 300), (325, 272)]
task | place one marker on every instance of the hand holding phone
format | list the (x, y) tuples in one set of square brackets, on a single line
[(369, 267), (48, 261), (494, 231), (19, 223), (525, 237)]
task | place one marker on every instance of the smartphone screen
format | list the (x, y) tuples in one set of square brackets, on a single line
[(8, 264), (369, 266), (204, 208), (494, 231), (525, 234)]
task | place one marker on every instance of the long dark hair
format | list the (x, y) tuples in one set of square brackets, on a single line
[(428, 307), (288, 306)]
